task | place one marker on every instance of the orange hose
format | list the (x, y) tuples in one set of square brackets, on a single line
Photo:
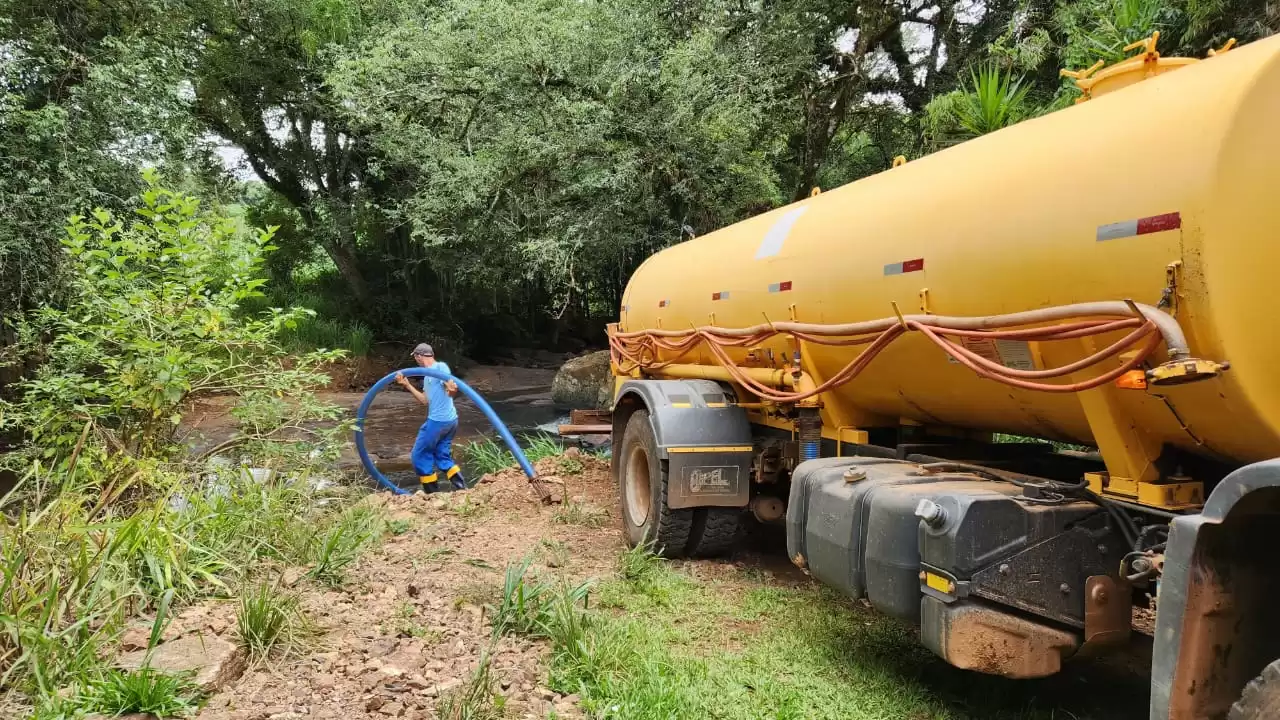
[(642, 349)]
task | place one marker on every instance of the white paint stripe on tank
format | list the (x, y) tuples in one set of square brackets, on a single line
[(1113, 231), (773, 239)]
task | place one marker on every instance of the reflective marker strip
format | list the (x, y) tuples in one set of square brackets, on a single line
[(663, 303), (905, 266), (780, 286), (723, 295), (1141, 226), (712, 449), (772, 243)]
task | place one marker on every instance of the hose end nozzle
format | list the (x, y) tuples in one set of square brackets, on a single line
[(1186, 370)]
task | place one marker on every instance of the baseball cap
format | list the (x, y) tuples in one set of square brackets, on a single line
[(424, 350)]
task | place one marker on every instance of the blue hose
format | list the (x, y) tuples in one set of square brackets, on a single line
[(466, 389)]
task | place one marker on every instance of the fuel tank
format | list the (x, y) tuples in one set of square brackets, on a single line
[(1165, 188)]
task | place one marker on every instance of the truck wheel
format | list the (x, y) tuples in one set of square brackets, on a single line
[(714, 531), (642, 489), (1261, 697)]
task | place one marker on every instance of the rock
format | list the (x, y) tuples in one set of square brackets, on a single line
[(443, 687), (135, 638), (546, 694), (584, 383), (323, 681), (393, 709), (216, 662), (375, 703)]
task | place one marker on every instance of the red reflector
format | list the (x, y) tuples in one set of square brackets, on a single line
[(912, 265), (662, 303), (715, 296), (1159, 223), (784, 286)]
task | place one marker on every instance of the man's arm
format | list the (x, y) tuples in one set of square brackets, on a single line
[(404, 382), (451, 387)]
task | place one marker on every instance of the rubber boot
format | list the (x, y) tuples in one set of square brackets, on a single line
[(457, 481), (430, 484)]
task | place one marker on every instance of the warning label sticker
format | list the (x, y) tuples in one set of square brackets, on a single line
[(1014, 354)]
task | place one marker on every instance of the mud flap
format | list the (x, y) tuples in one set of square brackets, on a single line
[(704, 438)]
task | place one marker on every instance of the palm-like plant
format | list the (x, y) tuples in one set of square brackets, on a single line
[(994, 99)]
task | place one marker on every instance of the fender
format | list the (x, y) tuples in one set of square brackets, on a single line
[(703, 437), (1215, 624)]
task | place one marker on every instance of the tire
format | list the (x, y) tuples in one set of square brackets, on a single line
[(1261, 697), (642, 492), (714, 532)]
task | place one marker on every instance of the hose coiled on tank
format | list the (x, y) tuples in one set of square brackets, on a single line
[(644, 349)]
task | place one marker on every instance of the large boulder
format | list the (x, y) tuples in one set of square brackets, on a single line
[(584, 383)]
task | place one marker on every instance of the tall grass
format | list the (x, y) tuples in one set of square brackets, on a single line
[(312, 333), (484, 457), (270, 621), (75, 567), (121, 692)]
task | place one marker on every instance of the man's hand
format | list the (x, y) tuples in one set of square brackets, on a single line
[(451, 387), (400, 378)]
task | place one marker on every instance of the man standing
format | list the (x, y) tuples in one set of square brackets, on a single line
[(432, 450)]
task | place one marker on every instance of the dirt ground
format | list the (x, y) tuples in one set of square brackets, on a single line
[(409, 624)]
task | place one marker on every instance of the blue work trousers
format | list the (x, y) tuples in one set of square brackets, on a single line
[(433, 451)]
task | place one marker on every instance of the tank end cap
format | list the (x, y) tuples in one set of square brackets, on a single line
[(1180, 372)]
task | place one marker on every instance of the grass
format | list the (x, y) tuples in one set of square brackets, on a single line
[(78, 564), (342, 543), (405, 624), (581, 514), (537, 608), (733, 651), (121, 692), (312, 333), (486, 457), (477, 699), (270, 621), (469, 509)]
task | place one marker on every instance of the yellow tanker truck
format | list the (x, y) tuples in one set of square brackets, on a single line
[(1100, 276)]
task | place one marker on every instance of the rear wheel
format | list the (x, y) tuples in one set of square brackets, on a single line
[(1261, 698), (714, 531), (642, 490)]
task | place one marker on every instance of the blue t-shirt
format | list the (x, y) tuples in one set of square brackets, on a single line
[(439, 405)]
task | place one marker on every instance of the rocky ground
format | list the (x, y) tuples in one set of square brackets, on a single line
[(409, 624)]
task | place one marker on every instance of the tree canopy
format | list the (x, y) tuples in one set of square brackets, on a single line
[(492, 171)]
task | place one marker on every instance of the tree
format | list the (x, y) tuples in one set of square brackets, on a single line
[(260, 84), (549, 146)]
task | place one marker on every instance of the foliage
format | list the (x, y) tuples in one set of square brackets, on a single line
[(150, 323), (994, 99)]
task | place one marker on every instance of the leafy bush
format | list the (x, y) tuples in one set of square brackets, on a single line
[(150, 323)]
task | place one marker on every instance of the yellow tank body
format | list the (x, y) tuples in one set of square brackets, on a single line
[(1090, 203)]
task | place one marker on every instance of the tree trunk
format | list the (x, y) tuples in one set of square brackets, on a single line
[(349, 269)]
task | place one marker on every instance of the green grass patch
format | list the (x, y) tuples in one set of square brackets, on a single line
[(484, 457), (727, 650), (120, 692), (270, 621)]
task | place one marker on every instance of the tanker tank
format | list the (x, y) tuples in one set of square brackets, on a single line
[(1160, 193)]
